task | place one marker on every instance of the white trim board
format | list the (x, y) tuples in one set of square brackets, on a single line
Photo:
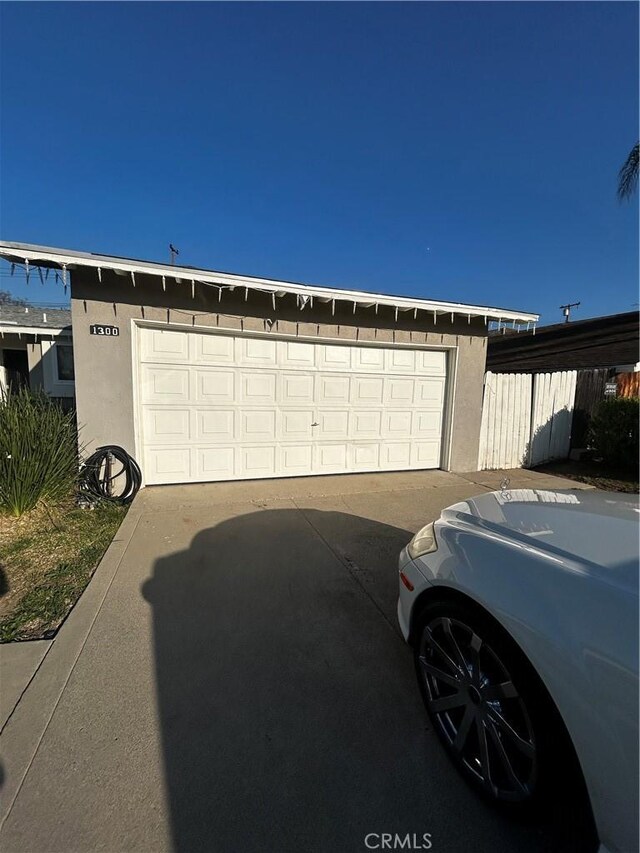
[(67, 260), (38, 331)]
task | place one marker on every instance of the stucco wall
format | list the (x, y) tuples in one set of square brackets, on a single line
[(104, 365), (34, 357)]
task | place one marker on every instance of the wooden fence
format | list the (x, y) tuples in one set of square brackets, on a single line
[(506, 420), (590, 386), (526, 418), (590, 391), (554, 396), (628, 384)]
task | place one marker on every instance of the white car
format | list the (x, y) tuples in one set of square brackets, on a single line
[(522, 610)]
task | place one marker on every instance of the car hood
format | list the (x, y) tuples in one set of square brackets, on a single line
[(594, 528)]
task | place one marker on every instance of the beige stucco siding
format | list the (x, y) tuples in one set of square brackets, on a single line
[(34, 357), (104, 366), (467, 414)]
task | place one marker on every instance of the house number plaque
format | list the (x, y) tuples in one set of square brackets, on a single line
[(108, 331)]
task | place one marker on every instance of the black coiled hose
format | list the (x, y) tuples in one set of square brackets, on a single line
[(101, 479)]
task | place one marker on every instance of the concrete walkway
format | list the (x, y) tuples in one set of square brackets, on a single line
[(18, 664), (233, 680)]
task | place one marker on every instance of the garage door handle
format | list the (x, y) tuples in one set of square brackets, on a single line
[(316, 424)]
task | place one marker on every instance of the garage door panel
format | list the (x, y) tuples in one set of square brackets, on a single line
[(296, 424), (398, 392), (296, 388), (258, 425), (214, 386), (332, 424), (167, 426), (396, 454), (215, 463), (427, 424), (334, 357), (258, 351), (330, 457), (257, 387), (367, 390), (332, 389), (215, 349), (165, 384), (400, 361), (296, 354), (257, 461), (365, 457), (433, 362), (215, 425), (429, 392), (220, 407), (167, 465), (164, 345), (368, 359), (425, 454), (396, 424), (366, 423), (296, 459)]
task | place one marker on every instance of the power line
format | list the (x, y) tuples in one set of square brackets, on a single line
[(30, 303)]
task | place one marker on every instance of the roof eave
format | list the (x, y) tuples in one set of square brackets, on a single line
[(66, 261)]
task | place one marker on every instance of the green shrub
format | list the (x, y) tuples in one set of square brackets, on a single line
[(614, 431), (38, 451)]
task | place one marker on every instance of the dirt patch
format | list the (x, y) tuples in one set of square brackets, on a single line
[(596, 474)]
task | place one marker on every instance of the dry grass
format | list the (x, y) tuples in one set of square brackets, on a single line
[(46, 560)]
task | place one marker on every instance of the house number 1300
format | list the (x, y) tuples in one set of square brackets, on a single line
[(109, 331)]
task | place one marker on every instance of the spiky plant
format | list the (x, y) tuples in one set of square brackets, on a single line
[(39, 451)]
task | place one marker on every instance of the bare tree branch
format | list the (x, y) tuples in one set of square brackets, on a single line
[(7, 299)]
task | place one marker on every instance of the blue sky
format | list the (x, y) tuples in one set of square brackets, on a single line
[(446, 150)]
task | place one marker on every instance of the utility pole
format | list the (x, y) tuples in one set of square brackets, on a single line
[(173, 252), (566, 310)]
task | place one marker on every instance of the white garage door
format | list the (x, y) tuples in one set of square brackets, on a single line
[(223, 407)]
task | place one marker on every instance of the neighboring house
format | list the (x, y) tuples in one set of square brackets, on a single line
[(204, 375), (36, 350)]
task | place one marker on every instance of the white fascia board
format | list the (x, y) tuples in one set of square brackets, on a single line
[(40, 331), (19, 253)]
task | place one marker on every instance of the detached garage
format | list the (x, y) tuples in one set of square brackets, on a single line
[(206, 376)]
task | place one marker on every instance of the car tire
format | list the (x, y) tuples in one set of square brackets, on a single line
[(495, 718)]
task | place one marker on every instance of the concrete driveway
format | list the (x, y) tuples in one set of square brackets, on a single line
[(233, 680)]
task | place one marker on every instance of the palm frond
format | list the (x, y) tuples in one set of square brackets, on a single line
[(628, 175)]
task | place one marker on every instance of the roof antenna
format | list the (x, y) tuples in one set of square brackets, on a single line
[(174, 252), (566, 310)]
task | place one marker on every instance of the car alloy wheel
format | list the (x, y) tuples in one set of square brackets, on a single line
[(477, 709)]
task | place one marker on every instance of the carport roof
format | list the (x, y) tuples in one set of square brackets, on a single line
[(29, 256)]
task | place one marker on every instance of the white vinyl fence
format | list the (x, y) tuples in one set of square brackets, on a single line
[(526, 418)]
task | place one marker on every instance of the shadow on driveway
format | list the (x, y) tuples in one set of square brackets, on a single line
[(290, 716)]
